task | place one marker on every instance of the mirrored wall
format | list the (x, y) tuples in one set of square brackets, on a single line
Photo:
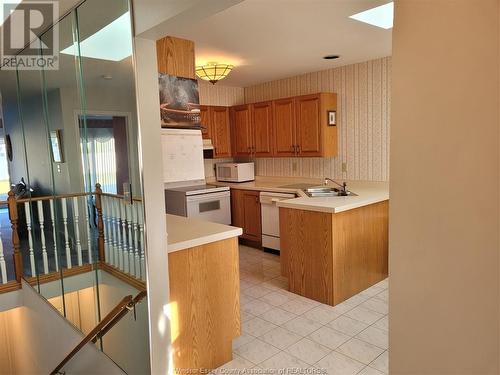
[(74, 216)]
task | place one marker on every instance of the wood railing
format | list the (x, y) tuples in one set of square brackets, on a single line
[(64, 232)]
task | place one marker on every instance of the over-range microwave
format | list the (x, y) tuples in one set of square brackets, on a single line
[(235, 172)]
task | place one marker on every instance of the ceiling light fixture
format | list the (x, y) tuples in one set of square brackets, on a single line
[(381, 16), (331, 57), (213, 72)]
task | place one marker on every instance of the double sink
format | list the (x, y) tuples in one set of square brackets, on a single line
[(320, 191)]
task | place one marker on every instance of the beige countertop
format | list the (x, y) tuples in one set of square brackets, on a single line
[(368, 192), (184, 232)]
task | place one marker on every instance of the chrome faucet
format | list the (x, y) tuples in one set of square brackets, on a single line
[(343, 191)]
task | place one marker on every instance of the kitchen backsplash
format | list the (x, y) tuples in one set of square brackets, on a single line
[(363, 110)]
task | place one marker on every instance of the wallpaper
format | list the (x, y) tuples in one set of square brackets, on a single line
[(363, 115), (220, 95)]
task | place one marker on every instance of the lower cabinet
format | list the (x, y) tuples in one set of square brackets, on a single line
[(245, 207)]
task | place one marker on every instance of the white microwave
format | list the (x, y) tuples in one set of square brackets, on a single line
[(235, 172)]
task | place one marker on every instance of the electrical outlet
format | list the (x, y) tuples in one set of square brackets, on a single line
[(294, 166), (344, 167)]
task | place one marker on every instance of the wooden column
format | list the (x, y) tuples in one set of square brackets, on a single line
[(13, 216), (100, 224), (176, 57)]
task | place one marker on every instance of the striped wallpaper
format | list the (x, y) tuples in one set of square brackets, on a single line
[(363, 115), (220, 95)]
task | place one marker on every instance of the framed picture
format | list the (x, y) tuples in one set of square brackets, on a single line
[(56, 146), (179, 102), (332, 118)]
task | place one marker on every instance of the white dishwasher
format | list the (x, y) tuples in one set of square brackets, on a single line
[(271, 218)]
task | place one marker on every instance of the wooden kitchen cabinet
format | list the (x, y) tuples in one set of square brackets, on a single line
[(252, 129), (245, 209), (220, 131), (241, 119), (206, 122), (301, 126), (308, 125), (262, 129), (314, 136), (296, 126), (284, 127)]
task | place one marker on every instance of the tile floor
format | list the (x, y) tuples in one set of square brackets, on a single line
[(284, 330)]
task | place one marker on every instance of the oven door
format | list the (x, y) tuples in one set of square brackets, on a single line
[(214, 207)]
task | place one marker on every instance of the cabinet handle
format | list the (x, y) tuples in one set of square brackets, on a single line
[(298, 149)]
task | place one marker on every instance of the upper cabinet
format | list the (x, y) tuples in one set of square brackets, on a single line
[(241, 123), (262, 129), (301, 126), (284, 127), (221, 134), (308, 125), (206, 122), (252, 129), (296, 126)]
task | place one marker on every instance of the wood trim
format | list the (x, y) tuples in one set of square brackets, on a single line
[(10, 287), (49, 197), (53, 276), (16, 243), (132, 281)]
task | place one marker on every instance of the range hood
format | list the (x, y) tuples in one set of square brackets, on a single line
[(208, 149)]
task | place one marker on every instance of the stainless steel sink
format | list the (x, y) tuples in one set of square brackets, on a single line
[(326, 191)]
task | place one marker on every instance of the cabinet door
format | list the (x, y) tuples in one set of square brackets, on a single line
[(206, 123), (284, 127), (252, 221), (221, 135), (262, 120), (241, 122), (245, 213), (308, 126)]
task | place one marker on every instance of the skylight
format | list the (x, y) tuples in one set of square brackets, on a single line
[(113, 42), (3, 16), (381, 16)]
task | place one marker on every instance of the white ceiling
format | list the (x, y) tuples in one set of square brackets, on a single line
[(272, 39)]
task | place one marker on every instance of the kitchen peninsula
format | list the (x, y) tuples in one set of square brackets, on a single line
[(335, 247), (204, 279)]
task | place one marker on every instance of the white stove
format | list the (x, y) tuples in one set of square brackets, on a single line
[(206, 202), (186, 193)]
